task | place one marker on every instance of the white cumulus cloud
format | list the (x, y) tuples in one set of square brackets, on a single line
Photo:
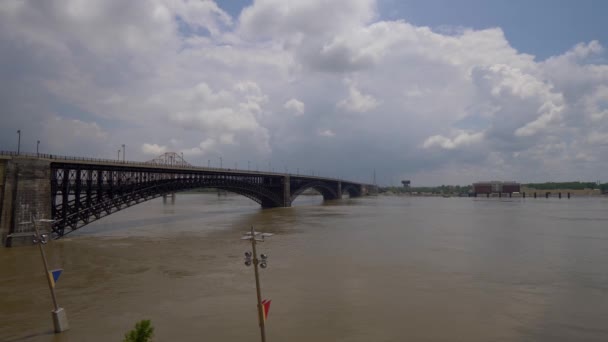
[(326, 133), (153, 149), (459, 140), (357, 101), (295, 106)]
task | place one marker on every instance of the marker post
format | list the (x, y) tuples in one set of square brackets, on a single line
[(250, 258), (60, 319)]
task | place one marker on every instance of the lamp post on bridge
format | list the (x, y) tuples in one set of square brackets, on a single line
[(38, 148), (248, 162), (208, 162), (118, 155), (220, 162), (124, 152)]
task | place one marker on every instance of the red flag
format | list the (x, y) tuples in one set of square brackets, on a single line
[(266, 306)]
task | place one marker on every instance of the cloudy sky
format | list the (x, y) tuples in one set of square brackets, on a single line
[(439, 92)]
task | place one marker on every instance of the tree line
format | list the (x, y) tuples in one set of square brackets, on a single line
[(462, 189), (568, 185)]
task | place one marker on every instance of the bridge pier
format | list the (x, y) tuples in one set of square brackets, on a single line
[(172, 195), (367, 190), (286, 191), (25, 193)]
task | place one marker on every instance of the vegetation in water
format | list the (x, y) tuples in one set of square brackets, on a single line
[(142, 332)]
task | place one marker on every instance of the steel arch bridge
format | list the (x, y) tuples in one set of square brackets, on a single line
[(75, 192)]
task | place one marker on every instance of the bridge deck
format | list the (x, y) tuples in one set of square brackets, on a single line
[(115, 163)]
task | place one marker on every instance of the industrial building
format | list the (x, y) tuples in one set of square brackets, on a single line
[(496, 187)]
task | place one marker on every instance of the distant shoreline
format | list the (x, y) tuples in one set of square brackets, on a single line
[(539, 193)]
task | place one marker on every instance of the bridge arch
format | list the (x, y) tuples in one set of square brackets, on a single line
[(325, 189), (352, 190), (72, 208)]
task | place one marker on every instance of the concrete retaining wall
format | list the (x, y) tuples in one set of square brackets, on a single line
[(2, 174), (26, 194)]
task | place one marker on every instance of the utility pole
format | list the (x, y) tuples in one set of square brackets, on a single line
[(255, 237), (220, 162), (38, 148), (124, 152)]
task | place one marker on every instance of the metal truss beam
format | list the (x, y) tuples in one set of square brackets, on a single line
[(81, 193)]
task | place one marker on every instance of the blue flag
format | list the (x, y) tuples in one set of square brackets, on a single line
[(54, 275)]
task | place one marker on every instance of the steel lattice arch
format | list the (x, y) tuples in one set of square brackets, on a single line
[(84, 193), (74, 192)]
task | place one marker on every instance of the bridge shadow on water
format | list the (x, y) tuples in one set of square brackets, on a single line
[(310, 210), (204, 210)]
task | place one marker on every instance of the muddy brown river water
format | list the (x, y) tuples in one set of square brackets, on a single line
[(370, 269)]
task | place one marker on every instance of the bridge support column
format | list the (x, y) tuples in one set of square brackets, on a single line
[(286, 191), (364, 190), (26, 192), (3, 164), (172, 195)]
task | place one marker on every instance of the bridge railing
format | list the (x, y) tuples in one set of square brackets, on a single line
[(116, 161), (134, 163), (60, 157)]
